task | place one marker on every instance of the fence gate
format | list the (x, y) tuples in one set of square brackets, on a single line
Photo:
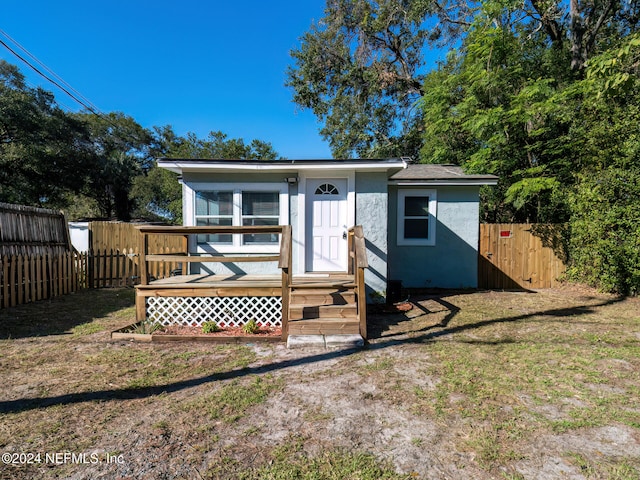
[(514, 256)]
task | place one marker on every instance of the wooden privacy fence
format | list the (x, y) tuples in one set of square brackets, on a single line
[(123, 237), (515, 256), (29, 278), (31, 230)]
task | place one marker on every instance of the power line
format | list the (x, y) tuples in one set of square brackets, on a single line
[(51, 72), (86, 105), (61, 84)]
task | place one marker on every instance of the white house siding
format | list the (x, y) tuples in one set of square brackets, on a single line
[(234, 179), (453, 261)]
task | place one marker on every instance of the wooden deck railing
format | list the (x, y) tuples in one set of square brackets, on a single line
[(283, 257), (285, 264), (357, 263)]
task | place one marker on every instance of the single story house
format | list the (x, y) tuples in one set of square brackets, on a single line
[(420, 222)]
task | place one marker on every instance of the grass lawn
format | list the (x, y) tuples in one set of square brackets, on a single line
[(483, 385)]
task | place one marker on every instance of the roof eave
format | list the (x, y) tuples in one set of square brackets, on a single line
[(180, 166), (457, 182)]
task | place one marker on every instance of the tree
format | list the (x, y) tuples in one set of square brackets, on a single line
[(218, 145), (120, 150), (43, 150), (501, 104), (158, 191), (605, 202), (485, 111), (359, 69)]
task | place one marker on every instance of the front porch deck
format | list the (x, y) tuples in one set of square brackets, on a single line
[(248, 281), (325, 304)]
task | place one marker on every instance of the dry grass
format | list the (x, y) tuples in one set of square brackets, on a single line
[(467, 384)]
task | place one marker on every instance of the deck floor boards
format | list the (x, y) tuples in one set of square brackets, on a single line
[(244, 281)]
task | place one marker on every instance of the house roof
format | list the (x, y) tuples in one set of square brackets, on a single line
[(180, 165), (430, 174)]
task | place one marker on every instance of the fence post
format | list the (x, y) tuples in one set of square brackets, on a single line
[(12, 282), (5, 281)]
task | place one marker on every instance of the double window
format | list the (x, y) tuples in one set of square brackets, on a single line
[(416, 217), (260, 205)]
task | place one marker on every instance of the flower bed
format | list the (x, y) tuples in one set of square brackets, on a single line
[(177, 333)]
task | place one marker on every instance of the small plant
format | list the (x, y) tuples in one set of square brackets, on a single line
[(210, 327), (251, 326), (146, 327)]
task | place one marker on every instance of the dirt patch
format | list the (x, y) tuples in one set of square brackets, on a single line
[(464, 385)]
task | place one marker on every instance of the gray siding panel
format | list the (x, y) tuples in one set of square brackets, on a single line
[(453, 261), (371, 213)]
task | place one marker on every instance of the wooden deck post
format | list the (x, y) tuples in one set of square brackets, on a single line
[(141, 307), (142, 258), (285, 263)]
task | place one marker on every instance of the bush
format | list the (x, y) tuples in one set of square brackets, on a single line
[(210, 327), (251, 326), (605, 231)]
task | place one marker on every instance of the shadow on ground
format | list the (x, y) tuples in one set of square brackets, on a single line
[(61, 314), (424, 335)]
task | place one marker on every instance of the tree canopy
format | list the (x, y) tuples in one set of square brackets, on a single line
[(361, 67), (95, 165), (541, 93)]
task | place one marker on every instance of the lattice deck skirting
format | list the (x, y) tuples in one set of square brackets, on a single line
[(225, 311)]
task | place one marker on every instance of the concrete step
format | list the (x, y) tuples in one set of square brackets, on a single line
[(340, 341), (298, 312), (324, 326)]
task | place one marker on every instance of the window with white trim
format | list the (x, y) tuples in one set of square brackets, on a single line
[(416, 217), (245, 205)]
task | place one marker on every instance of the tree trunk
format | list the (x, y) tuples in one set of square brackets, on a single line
[(578, 54)]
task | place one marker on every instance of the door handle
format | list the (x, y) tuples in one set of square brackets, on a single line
[(344, 235)]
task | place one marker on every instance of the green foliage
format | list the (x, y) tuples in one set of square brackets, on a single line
[(556, 118), (251, 327), (358, 70), (42, 149), (121, 150), (146, 327), (218, 145), (485, 111), (605, 230), (210, 326), (158, 192), (605, 202), (95, 165)]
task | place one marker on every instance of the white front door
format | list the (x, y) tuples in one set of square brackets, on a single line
[(326, 225)]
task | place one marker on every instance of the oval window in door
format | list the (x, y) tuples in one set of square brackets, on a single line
[(327, 189)]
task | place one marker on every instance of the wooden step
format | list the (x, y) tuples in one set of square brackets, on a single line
[(326, 296), (297, 311), (324, 326), (324, 284)]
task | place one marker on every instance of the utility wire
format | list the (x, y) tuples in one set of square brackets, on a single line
[(91, 108), (78, 97), (51, 72)]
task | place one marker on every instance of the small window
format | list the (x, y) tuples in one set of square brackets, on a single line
[(416, 217), (260, 208), (327, 189), (214, 209)]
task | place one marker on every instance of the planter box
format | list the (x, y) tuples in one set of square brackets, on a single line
[(125, 333)]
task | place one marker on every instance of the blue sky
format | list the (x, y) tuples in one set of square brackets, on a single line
[(196, 65)]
